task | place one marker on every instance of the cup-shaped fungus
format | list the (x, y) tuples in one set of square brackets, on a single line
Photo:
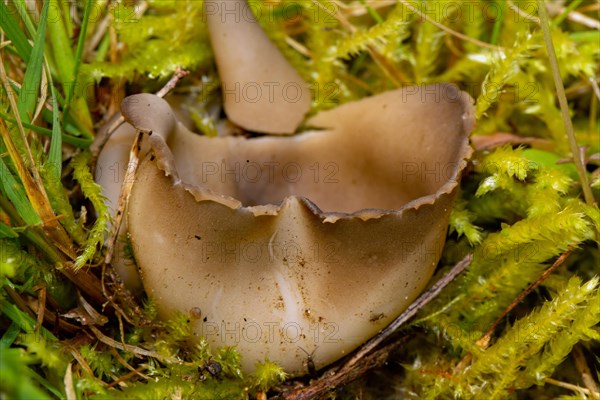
[(289, 246), (301, 244)]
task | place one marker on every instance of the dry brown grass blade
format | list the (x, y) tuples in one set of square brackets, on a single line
[(41, 309), (132, 165), (138, 351), (128, 181), (84, 364), (569, 386), (87, 282), (130, 375), (587, 375), (69, 384), (18, 300), (124, 363)]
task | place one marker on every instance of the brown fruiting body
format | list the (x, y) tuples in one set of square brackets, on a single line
[(311, 243)]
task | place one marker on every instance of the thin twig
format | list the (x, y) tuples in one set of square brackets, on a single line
[(178, 75), (358, 9), (331, 379), (569, 386), (595, 87), (129, 375), (84, 364), (589, 8), (299, 47), (95, 317), (97, 36), (102, 139), (583, 19), (574, 16), (124, 363), (485, 339), (111, 300)]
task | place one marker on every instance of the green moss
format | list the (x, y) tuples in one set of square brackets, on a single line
[(268, 375), (168, 27), (519, 207)]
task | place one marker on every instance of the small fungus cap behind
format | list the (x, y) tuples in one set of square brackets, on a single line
[(313, 242), (262, 92)]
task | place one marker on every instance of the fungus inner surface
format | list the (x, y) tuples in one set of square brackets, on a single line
[(364, 159)]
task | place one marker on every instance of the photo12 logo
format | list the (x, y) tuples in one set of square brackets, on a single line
[(268, 172), (247, 331), (271, 11)]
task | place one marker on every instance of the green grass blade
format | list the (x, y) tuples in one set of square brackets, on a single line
[(33, 73), (585, 36), (61, 50), (15, 192), (65, 10), (55, 152), (562, 16), (7, 232), (52, 173), (372, 12), (498, 22), (70, 122), (75, 141), (24, 12), (102, 49), (16, 382), (48, 386), (9, 336), (13, 31), (65, 66), (79, 53), (24, 321)]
